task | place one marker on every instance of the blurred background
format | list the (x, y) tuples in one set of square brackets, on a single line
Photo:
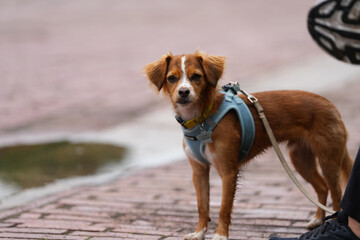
[(77, 65), (72, 71)]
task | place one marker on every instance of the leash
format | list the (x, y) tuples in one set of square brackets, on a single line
[(272, 138)]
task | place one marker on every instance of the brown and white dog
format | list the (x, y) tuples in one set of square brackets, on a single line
[(310, 124)]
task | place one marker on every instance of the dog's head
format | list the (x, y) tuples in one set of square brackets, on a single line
[(185, 78)]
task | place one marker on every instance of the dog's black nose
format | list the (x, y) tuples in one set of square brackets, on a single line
[(184, 92)]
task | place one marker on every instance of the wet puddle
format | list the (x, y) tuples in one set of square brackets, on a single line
[(29, 166)]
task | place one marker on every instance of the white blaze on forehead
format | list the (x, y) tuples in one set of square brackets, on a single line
[(184, 80), (183, 58)]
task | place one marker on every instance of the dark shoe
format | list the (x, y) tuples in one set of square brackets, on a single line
[(335, 229), (335, 26)]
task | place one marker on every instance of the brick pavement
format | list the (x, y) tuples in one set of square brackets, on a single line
[(159, 203), (71, 66)]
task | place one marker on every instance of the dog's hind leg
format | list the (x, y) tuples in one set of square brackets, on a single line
[(346, 167), (330, 162), (304, 162)]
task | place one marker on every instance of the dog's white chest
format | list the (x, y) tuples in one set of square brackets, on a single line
[(209, 155)]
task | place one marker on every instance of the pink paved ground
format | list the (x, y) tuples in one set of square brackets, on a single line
[(74, 66), (159, 203)]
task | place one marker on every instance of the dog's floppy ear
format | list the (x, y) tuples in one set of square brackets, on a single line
[(156, 71), (213, 66)]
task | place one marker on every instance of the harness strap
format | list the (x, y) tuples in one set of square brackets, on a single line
[(245, 118), (197, 137)]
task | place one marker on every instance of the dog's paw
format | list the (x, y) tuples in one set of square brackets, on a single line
[(314, 223), (196, 235), (218, 237)]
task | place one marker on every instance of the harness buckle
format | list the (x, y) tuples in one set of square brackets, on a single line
[(190, 137), (233, 86), (202, 127), (250, 97), (204, 136)]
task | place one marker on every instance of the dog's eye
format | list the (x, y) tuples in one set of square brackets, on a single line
[(171, 79), (195, 77)]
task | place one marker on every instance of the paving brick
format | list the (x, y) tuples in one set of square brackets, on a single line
[(72, 212), (55, 224), (105, 204), (3, 225), (39, 236), (33, 230), (236, 220), (11, 238), (115, 235), (156, 232), (77, 218), (30, 215)]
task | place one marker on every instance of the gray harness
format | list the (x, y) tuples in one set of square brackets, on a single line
[(197, 137)]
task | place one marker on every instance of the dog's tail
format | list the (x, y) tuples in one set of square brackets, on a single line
[(346, 167)]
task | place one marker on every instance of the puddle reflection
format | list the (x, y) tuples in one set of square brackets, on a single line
[(28, 166)]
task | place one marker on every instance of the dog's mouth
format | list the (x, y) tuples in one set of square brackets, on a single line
[(183, 101)]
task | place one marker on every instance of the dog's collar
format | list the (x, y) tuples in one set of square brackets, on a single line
[(195, 121)]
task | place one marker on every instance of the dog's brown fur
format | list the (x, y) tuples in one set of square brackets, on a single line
[(309, 123)]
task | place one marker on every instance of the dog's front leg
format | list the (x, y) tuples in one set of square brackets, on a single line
[(229, 180), (202, 188)]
